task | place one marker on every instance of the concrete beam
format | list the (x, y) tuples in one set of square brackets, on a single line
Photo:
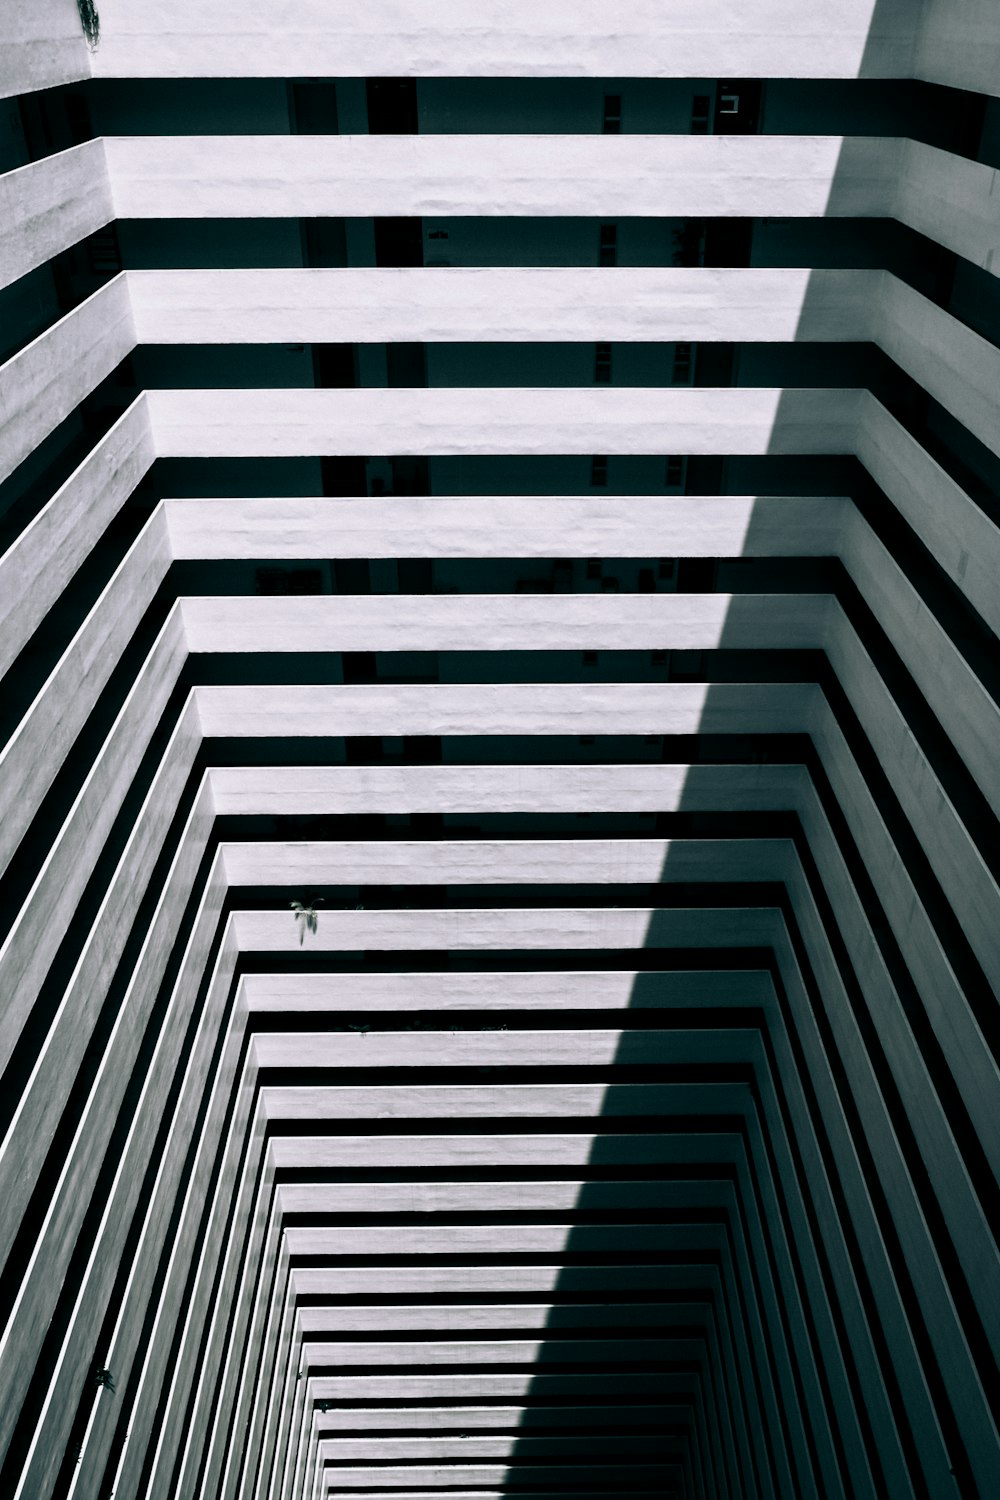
[(477, 526), (51, 204), (57, 541), (295, 423), (49, 378), (570, 38), (43, 48)]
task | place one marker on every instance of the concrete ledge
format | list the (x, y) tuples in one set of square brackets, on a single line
[(49, 378), (38, 566), (569, 38), (46, 734), (478, 526), (295, 423), (43, 47), (506, 622), (50, 205)]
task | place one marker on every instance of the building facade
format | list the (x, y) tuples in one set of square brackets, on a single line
[(499, 791)]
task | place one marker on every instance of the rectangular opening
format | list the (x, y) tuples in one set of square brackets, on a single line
[(392, 106), (607, 254), (399, 242)]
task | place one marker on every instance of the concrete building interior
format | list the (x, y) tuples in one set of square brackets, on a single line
[(499, 775)]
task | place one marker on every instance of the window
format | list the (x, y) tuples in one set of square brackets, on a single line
[(683, 363), (607, 254), (700, 107), (612, 123), (673, 476), (602, 364), (598, 478), (273, 581)]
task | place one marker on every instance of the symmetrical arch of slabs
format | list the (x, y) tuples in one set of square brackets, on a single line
[(660, 1163)]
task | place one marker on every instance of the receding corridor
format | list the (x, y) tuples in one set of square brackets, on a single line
[(499, 791)]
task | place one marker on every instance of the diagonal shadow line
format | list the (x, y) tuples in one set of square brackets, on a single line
[(754, 1423)]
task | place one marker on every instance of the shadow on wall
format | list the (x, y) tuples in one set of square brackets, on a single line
[(761, 1329)]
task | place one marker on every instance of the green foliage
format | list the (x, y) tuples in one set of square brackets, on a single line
[(306, 917), (90, 21)]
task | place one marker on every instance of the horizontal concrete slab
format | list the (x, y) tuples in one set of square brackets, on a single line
[(507, 622), (497, 1101), (484, 861), (524, 928), (568, 38), (506, 304), (582, 989), (291, 423), (496, 526), (456, 1049), (527, 709)]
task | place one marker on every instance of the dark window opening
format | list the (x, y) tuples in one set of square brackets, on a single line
[(399, 242), (392, 106), (273, 581), (700, 111), (313, 108), (406, 365), (335, 365)]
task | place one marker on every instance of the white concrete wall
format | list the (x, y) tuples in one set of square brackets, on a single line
[(955, 365), (48, 729), (555, 928), (49, 205), (542, 989), (49, 378), (568, 38), (518, 709), (476, 526), (506, 622), (53, 899), (950, 199), (47, 553), (958, 43), (75, 1188), (534, 175), (516, 305), (496, 862), (43, 46), (962, 539), (204, 1073), (294, 423)]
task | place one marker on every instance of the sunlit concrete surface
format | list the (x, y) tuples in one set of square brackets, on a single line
[(499, 802)]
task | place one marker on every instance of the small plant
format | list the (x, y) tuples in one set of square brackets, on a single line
[(104, 1381), (306, 917), (90, 21)]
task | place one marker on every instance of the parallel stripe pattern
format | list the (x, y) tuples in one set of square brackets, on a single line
[(498, 780)]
